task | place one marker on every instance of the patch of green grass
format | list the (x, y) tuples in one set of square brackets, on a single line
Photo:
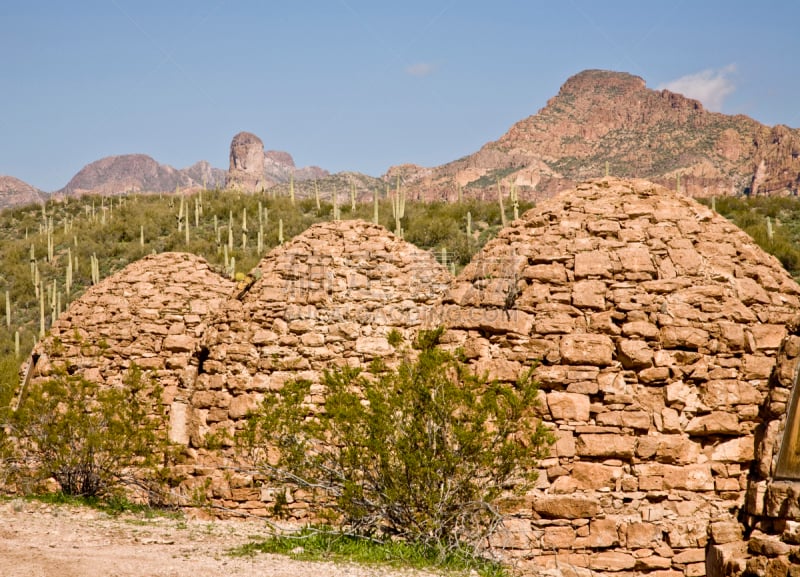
[(112, 505), (327, 544)]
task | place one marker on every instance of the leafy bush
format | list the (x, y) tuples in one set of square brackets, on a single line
[(420, 452), (92, 440)]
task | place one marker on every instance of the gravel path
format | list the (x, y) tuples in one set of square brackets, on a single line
[(40, 540)]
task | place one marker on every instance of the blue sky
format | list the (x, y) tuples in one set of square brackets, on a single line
[(353, 84)]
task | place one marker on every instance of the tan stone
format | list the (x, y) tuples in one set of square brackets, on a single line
[(690, 478), (677, 337), (564, 445), (768, 336), (725, 532), (612, 561), (587, 349), (568, 406), (739, 450), (635, 354), (714, 423), (595, 475), (757, 367), (592, 264), (594, 445), (558, 538), (589, 294), (566, 507), (641, 535), (602, 534), (639, 420), (179, 343), (675, 449), (373, 346), (640, 329)]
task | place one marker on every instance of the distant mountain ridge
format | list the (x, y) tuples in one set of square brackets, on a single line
[(602, 121), (599, 122), (127, 173), (14, 192)]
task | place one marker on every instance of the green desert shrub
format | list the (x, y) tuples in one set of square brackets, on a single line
[(94, 441), (420, 452)]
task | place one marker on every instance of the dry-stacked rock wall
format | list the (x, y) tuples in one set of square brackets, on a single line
[(656, 324), (771, 516), (151, 313), (329, 297), (665, 341)]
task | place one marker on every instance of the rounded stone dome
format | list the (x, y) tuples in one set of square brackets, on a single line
[(330, 296), (654, 325), (151, 313)]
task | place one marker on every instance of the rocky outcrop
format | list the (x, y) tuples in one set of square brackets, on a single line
[(609, 122), (14, 192), (128, 173), (252, 169)]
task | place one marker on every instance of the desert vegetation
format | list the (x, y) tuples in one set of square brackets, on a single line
[(419, 453)]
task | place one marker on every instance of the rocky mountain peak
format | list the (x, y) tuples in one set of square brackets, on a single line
[(252, 169), (610, 122)]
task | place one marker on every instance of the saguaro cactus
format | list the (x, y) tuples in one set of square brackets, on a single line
[(500, 201)]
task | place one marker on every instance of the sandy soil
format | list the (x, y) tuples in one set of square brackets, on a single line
[(39, 540)]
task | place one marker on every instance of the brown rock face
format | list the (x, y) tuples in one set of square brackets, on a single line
[(610, 121), (247, 163), (14, 192), (252, 169)]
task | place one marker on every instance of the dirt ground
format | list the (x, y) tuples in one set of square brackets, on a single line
[(41, 540)]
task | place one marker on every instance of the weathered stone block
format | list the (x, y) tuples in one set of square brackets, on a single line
[(593, 263), (589, 294), (673, 449), (587, 349), (725, 532), (675, 337), (714, 423), (739, 450), (568, 406), (566, 507), (639, 420), (612, 561), (641, 535), (602, 534), (373, 346), (595, 476), (609, 446), (558, 537), (634, 354)]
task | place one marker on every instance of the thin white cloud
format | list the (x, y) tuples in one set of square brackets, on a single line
[(710, 87), (421, 69)]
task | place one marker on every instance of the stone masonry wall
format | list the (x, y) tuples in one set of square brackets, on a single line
[(771, 519), (151, 313), (664, 339), (656, 325), (329, 297)]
